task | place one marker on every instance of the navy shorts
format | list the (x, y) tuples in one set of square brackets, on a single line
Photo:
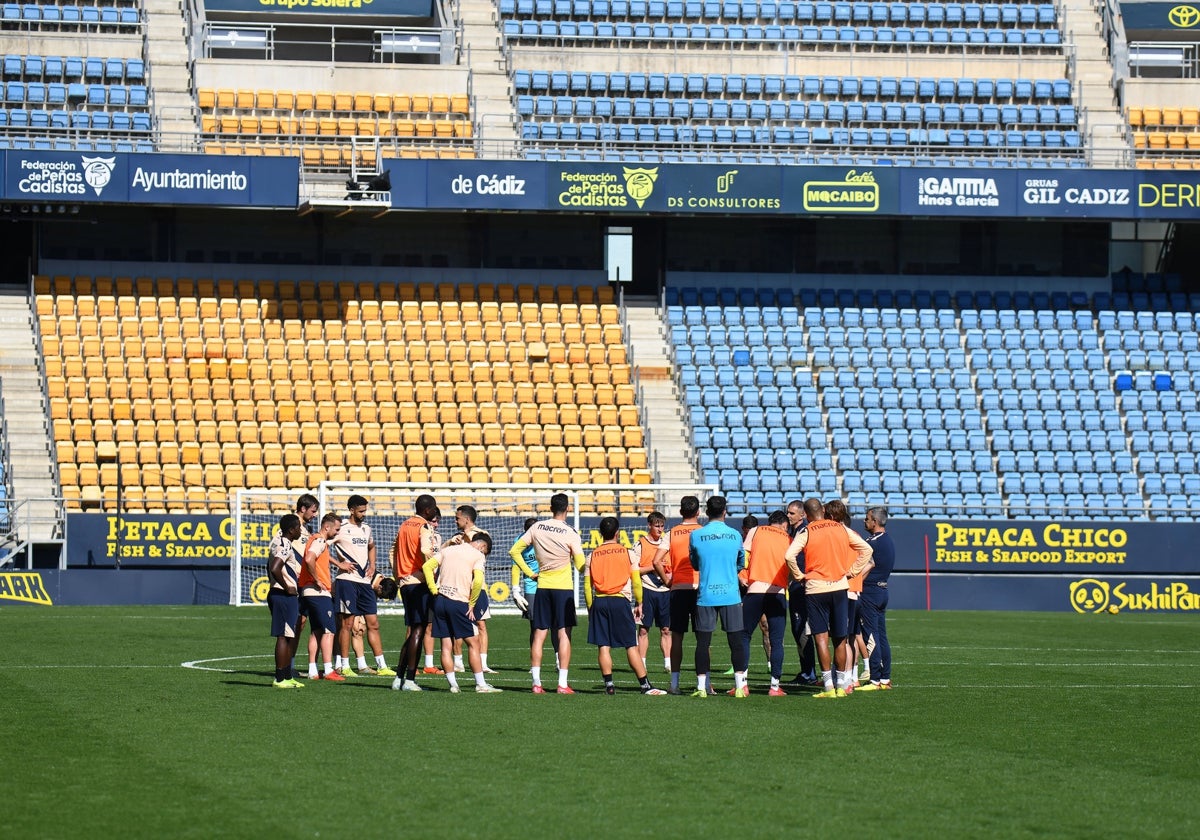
[(482, 605), (683, 609), (285, 613), (853, 618), (318, 609), (611, 624), (553, 609), (415, 597), (450, 620), (656, 609), (827, 613), (354, 598), (730, 615)]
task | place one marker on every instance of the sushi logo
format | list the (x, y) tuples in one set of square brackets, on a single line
[(1089, 595)]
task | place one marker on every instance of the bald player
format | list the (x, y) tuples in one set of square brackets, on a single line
[(416, 542), (283, 599), (558, 548)]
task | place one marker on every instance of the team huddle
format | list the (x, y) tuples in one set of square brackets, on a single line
[(805, 564)]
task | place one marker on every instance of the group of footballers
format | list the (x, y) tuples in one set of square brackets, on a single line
[(805, 563)]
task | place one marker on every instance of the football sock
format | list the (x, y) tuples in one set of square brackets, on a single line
[(675, 680), (429, 661), (380, 662), (702, 682), (562, 677), (282, 674), (312, 669), (479, 680), (608, 680), (483, 660), (452, 679), (362, 663), (827, 678), (328, 668), (536, 671), (457, 663), (739, 679), (774, 682), (337, 662), (644, 682)]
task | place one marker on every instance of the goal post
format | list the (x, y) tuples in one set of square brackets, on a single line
[(256, 516), (502, 510)]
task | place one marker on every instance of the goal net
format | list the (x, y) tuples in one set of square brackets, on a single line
[(502, 511)]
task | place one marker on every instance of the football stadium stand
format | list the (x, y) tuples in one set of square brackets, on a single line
[(199, 387), (992, 405)]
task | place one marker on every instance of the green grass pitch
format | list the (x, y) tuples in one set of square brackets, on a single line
[(1001, 725)]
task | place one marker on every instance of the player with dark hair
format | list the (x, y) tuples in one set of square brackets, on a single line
[(673, 561), (415, 543), (353, 593), (656, 595), (874, 599), (558, 548), (316, 592), (609, 571), (455, 577), (385, 589), (716, 554), (832, 555), (766, 589), (283, 599), (427, 641)]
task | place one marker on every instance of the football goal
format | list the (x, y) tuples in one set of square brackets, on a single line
[(502, 510)]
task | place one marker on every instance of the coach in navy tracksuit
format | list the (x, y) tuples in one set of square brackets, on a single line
[(872, 604)]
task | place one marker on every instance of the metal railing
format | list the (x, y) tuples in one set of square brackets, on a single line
[(1164, 59), (329, 42)]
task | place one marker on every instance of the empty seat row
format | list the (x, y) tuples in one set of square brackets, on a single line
[(1165, 116), (900, 140), (293, 101), (78, 120), (765, 305), (866, 88), (824, 113), (55, 93), (76, 144), (341, 126), (52, 15), (604, 31), (369, 300), (918, 13), (55, 68)]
